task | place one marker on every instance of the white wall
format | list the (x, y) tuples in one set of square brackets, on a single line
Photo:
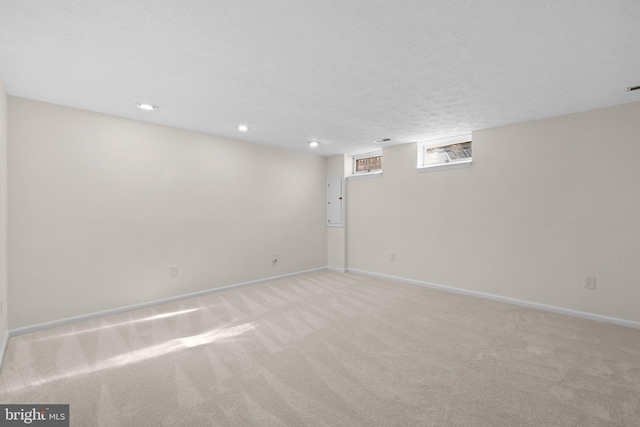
[(100, 207), (3, 212), (543, 204)]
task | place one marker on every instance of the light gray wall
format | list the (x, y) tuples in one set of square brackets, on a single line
[(543, 204), (100, 207), (3, 211)]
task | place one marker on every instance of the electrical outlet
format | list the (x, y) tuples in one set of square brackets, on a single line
[(274, 258), (392, 256), (173, 271), (589, 282)]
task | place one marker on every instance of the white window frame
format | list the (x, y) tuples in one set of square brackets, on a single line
[(422, 146), (372, 174)]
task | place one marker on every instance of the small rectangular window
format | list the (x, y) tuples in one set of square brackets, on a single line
[(368, 163), (448, 154), (445, 153)]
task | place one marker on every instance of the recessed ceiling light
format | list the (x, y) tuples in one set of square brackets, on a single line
[(313, 144), (147, 107), (382, 140), (243, 128)]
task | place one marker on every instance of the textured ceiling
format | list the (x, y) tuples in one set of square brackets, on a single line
[(344, 72)]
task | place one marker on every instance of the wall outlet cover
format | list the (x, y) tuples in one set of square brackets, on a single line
[(173, 271), (589, 282)]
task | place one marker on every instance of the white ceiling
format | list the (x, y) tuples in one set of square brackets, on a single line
[(344, 72)]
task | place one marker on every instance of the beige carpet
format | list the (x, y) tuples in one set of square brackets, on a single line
[(330, 349)]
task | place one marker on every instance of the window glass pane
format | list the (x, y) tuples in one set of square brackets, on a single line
[(369, 164), (448, 153)]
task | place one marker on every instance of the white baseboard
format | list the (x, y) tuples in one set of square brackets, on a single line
[(551, 308), (560, 310), (5, 341), (89, 316)]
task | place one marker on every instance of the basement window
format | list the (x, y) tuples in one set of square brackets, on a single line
[(448, 153), (368, 164)]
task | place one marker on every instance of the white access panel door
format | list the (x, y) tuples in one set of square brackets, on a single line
[(334, 201)]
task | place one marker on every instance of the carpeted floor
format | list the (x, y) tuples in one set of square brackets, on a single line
[(331, 349)]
